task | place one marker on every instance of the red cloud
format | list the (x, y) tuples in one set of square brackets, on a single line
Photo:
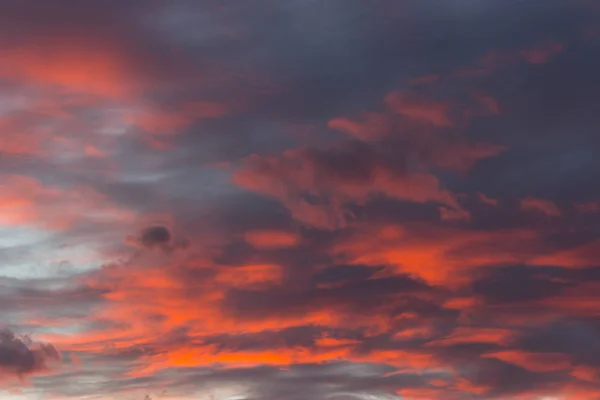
[(314, 172), (266, 239), (100, 69)]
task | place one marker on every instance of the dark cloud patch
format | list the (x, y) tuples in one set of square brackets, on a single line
[(577, 338), (240, 212), (298, 262), (507, 213), (43, 298), (544, 101), (361, 54), (20, 356), (519, 283), (385, 210), (343, 273), (355, 296), (293, 337), (155, 236), (159, 237), (498, 378)]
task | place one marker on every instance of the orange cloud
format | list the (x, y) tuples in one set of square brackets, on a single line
[(211, 355), (300, 171), (440, 256), (177, 301), (249, 275), (586, 373), (271, 239), (98, 69), (465, 335), (421, 332), (145, 304)]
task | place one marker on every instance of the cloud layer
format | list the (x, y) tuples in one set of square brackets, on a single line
[(300, 200)]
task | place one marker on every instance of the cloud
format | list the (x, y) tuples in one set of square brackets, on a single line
[(155, 235), (77, 68), (411, 106), (534, 362), (540, 205), (300, 200), (163, 122), (316, 185), (22, 357), (271, 239)]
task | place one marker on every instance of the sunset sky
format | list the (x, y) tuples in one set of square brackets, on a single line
[(300, 199)]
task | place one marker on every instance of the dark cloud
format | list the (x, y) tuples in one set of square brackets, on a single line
[(575, 337), (155, 236), (359, 296), (159, 237), (514, 284), (341, 273), (20, 356)]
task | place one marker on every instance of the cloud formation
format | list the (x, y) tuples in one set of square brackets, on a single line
[(22, 357), (300, 200)]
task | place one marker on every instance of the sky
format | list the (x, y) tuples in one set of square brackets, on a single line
[(300, 200)]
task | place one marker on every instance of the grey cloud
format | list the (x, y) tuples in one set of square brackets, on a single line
[(21, 357), (155, 236)]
